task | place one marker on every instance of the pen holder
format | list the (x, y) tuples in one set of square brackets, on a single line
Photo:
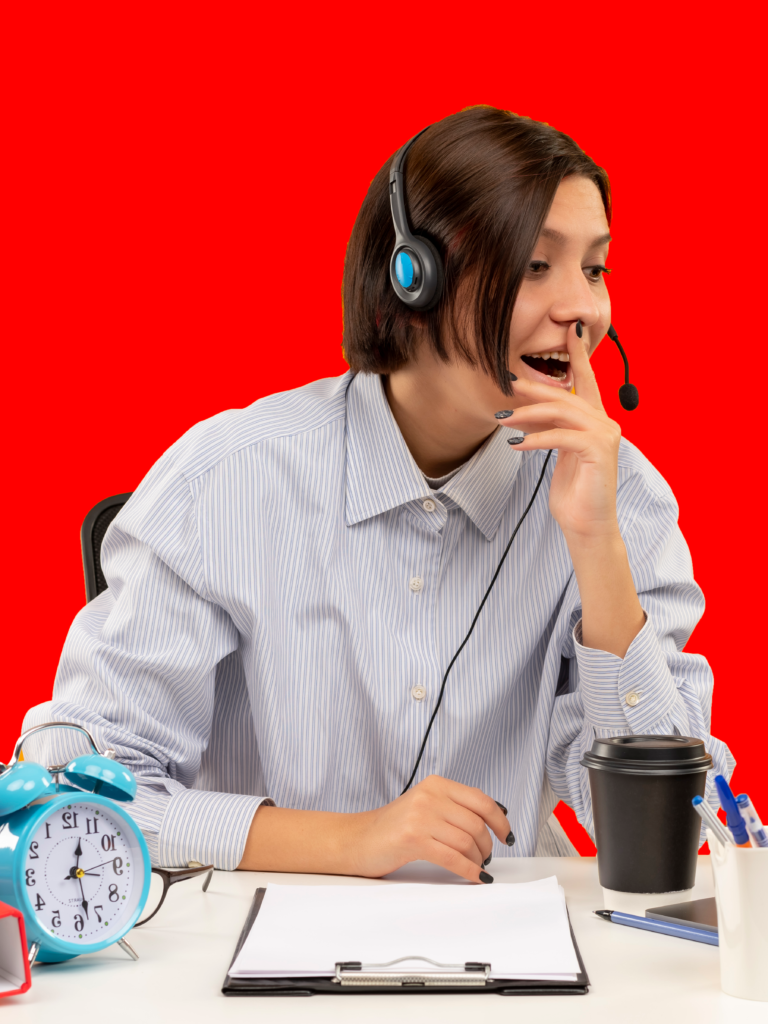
[(741, 891)]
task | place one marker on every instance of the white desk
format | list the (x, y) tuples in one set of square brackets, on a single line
[(636, 976)]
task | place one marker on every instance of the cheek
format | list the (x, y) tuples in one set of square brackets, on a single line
[(531, 307)]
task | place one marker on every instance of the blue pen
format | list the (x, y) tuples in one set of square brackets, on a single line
[(757, 833), (680, 931), (733, 816)]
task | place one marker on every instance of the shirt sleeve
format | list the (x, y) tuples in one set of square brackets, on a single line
[(138, 670), (657, 688)]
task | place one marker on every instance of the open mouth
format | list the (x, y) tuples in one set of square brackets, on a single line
[(553, 364)]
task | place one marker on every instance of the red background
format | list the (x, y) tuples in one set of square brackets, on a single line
[(180, 186)]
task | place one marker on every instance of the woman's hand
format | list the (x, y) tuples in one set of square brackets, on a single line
[(582, 497), (439, 821)]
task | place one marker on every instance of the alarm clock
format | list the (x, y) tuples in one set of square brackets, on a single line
[(71, 859)]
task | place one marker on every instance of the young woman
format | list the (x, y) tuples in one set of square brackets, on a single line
[(290, 582)]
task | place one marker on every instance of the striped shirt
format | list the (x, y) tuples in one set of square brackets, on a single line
[(286, 591)]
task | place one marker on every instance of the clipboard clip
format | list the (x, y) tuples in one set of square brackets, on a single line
[(469, 975)]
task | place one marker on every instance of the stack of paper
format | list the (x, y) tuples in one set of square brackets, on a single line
[(521, 930)]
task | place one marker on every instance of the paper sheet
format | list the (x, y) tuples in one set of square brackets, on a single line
[(302, 931)]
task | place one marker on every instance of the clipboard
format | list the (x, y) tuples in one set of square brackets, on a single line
[(354, 978)]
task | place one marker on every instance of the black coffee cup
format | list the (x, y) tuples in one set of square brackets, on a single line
[(646, 830)]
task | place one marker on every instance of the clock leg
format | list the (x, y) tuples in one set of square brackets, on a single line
[(128, 948), (34, 949)]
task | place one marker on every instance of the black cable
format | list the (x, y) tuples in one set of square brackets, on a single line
[(474, 621)]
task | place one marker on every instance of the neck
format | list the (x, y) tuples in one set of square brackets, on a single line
[(431, 409)]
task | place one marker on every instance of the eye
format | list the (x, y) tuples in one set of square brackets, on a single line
[(593, 273), (537, 267)]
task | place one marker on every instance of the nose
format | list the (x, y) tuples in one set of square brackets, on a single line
[(575, 301)]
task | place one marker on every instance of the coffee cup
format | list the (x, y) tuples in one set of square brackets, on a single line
[(646, 830)]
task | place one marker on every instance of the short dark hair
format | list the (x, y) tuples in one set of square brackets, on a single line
[(479, 185)]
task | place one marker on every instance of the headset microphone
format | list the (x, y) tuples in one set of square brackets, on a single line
[(628, 395)]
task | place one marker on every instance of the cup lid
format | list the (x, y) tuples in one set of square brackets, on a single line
[(649, 754)]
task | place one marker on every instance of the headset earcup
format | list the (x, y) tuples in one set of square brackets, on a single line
[(434, 275)]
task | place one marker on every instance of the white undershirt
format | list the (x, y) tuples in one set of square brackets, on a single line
[(436, 482)]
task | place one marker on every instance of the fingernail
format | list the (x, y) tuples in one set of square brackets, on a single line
[(579, 331), (506, 812), (503, 415), (487, 860), (485, 877), (513, 440), (510, 840), (511, 375)]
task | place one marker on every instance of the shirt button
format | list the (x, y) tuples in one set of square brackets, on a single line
[(633, 699), (429, 505), (416, 584), (419, 692)]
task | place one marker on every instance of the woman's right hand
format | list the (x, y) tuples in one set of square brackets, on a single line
[(438, 820)]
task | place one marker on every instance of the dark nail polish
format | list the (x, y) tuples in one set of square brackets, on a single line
[(487, 860), (511, 375), (579, 331), (485, 877), (514, 440), (504, 809), (510, 840), (503, 415)]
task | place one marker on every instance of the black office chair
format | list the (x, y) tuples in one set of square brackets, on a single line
[(94, 527)]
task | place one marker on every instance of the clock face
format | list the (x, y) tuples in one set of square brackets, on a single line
[(84, 873)]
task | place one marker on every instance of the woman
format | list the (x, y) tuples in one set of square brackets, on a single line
[(290, 582)]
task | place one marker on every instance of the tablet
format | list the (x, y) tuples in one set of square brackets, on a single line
[(696, 913)]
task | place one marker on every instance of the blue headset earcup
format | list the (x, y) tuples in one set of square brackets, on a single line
[(416, 273)]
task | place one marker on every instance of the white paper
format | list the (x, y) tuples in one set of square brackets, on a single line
[(303, 931)]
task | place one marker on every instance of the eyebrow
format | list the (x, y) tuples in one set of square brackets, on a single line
[(558, 236)]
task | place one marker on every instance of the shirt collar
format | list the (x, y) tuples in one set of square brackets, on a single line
[(382, 475)]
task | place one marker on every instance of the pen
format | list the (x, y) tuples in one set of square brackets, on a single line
[(712, 821), (733, 816), (757, 834), (680, 931)]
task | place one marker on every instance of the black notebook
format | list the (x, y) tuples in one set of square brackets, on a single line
[(365, 939)]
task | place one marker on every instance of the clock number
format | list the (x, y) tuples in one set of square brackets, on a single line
[(69, 819), (33, 854), (97, 909), (117, 864), (79, 922), (30, 872), (108, 844), (113, 894), (56, 919), (47, 830), (91, 831), (39, 901)]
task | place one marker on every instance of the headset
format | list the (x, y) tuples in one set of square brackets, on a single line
[(416, 270), (417, 276)]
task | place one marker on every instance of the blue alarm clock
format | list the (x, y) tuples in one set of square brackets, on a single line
[(71, 859)]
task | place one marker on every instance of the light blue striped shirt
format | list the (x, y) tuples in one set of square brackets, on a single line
[(285, 592)]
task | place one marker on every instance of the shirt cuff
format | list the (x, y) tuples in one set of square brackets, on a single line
[(630, 694), (208, 827)]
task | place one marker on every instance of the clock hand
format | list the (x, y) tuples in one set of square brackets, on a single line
[(73, 873), (103, 864), (84, 904)]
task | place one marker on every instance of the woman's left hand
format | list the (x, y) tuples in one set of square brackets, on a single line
[(582, 497)]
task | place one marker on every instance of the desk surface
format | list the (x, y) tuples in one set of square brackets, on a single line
[(185, 952)]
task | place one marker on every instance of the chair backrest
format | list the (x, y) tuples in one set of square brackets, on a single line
[(95, 525)]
